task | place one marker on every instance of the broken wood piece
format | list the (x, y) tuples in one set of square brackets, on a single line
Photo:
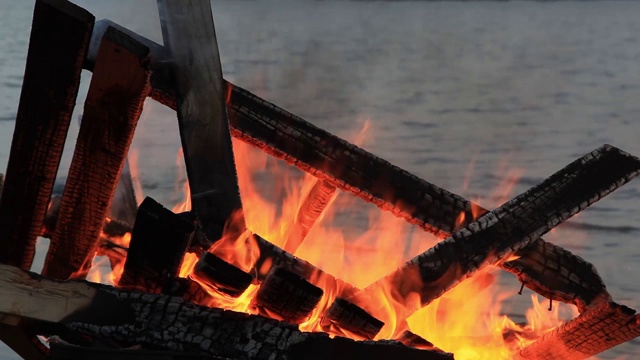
[(287, 296), (162, 322), (118, 88), (159, 241), (313, 205), (221, 276), (592, 332), (60, 36), (189, 36), (345, 316), (286, 136), (501, 232)]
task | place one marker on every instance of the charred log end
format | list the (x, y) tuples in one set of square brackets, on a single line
[(344, 315), (288, 296), (158, 243), (322, 348), (415, 341), (221, 276)]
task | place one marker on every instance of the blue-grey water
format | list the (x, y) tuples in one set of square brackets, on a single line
[(450, 89)]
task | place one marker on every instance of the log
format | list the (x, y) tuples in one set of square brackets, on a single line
[(59, 41), (286, 296), (114, 102), (220, 276), (286, 136), (345, 317), (592, 332), (162, 322), (313, 205), (189, 36), (501, 232), (61, 351), (159, 241), (124, 205)]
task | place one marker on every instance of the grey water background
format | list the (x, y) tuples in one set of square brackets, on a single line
[(450, 89)]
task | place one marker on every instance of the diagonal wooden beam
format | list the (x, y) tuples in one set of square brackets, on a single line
[(118, 88), (59, 41), (501, 232), (291, 138), (592, 332), (189, 36)]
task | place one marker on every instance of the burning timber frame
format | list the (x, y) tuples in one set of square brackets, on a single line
[(152, 307)]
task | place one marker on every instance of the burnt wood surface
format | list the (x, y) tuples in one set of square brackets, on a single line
[(592, 332), (503, 231), (157, 321), (118, 88), (189, 36), (286, 296), (345, 317), (59, 41), (159, 241), (319, 197), (219, 275), (286, 136)]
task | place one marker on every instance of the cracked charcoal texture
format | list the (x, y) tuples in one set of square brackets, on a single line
[(60, 34), (508, 228), (283, 135), (114, 102), (592, 332)]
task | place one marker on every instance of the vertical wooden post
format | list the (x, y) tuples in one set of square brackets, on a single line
[(189, 35), (114, 102), (59, 41)]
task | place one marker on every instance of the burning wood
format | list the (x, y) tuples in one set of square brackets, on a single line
[(159, 241), (189, 35), (288, 137), (503, 231), (164, 322), (594, 331), (61, 35), (114, 102)]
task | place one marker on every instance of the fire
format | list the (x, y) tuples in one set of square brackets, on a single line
[(467, 320)]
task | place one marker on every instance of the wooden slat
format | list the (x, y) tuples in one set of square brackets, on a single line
[(189, 36), (501, 232), (114, 102), (59, 41)]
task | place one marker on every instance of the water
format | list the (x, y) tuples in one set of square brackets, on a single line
[(525, 85)]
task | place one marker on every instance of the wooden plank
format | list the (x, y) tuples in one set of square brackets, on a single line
[(289, 137), (163, 322), (189, 36), (59, 41), (501, 232), (114, 102)]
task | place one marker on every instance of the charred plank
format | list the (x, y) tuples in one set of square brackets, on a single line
[(59, 41), (313, 205), (221, 276), (344, 315), (158, 243), (114, 102), (592, 332), (504, 230), (189, 36)]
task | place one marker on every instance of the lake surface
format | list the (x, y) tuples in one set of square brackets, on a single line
[(464, 95)]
